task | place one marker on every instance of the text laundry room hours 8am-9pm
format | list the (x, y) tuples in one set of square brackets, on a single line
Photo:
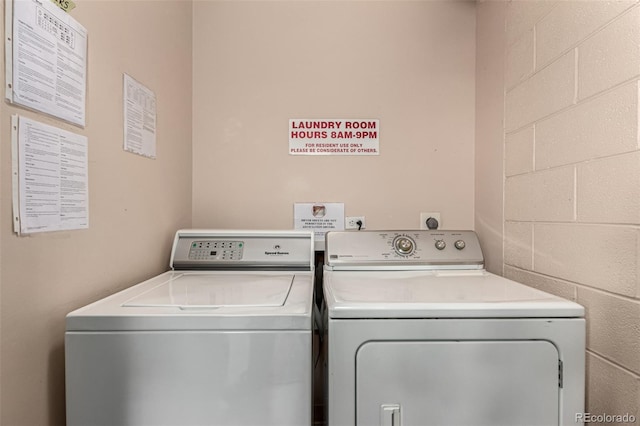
[(340, 133), (334, 136)]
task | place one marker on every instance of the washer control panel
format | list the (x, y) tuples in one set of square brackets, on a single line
[(430, 249), (240, 250), (214, 249)]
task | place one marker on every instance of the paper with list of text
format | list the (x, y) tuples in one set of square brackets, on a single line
[(52, 174)]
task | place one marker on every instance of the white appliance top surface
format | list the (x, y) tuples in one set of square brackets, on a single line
[(205, 300), (188, 290), (438, 294)]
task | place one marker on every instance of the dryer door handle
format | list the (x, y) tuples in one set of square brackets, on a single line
[(390, 415)]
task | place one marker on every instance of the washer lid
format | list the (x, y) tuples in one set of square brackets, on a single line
[(194, 290), (438, 294), (204, 301)]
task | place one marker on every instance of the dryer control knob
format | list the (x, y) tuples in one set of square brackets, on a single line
[(440, 244), (403, 245), (460, 244)]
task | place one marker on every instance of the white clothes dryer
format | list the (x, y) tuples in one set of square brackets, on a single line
[(224, 338), (420, 334)]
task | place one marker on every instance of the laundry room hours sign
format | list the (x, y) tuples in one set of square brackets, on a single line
[(334, 136)]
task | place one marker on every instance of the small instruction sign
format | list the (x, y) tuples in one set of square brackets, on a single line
[(334, 136), (319, 218)]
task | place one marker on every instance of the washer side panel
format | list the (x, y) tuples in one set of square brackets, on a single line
[(188, 378)]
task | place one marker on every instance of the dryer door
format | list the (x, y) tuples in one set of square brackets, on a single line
[(446, 383)]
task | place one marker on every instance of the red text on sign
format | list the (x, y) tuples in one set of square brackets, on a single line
[(301, 134), (360, 125)]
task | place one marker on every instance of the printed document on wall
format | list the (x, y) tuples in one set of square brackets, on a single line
[(49, 56), (139, 118), (52, 174)]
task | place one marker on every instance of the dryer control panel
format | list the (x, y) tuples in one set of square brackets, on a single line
[(411, 249)]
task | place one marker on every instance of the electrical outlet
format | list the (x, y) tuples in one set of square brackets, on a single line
[(425, 216), (351, 222)]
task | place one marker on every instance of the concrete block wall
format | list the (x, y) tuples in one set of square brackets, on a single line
[(572, 176)]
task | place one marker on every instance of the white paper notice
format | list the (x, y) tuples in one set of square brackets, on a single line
[(49, 60), (319, 218), (53, 178), (139, 118)]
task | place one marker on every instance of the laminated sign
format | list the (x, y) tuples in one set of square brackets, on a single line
[(319, 218), (334, 136)]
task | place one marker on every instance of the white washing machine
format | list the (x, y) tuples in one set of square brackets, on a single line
[(224, 338), (420, 334)]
